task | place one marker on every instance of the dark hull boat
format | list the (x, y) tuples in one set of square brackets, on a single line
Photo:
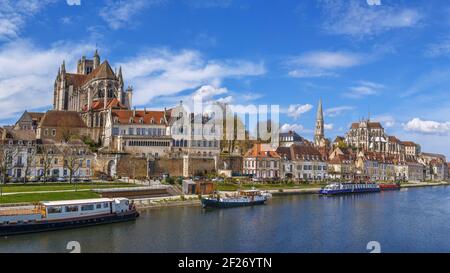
[(243, 199), (48, 216), (23, 228)]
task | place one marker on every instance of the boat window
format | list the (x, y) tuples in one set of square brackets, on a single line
[(54, 210), (98, 206), (87, 207), (105, 205), (71, 208)]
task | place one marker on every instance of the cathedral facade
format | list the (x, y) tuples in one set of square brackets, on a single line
[(91, 91)]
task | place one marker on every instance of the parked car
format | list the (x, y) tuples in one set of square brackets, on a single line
[(87, 179), (61, 179), (34, 179), (255, 179)]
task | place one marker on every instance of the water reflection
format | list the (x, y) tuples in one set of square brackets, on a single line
[(414, 220)]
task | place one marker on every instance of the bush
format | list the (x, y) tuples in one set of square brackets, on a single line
[(169, 180)]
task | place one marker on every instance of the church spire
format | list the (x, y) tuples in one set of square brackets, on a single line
[(96, 59), (319, 134)]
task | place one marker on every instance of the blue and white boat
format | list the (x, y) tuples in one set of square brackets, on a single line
[(241, 199), (348, 188)]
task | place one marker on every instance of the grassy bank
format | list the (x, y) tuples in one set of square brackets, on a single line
[(53, 196), (11, 188)]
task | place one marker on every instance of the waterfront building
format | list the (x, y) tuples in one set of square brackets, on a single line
[(138, 132), (341, 164), (437, 168), (262, 161), (302, 162), (375, 167), (408, 168), (17, 152), (63, 160)]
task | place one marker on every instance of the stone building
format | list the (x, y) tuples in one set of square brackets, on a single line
[(375, 166), (141, 133), (28, 121), (262, 161), (60, 126), (303, 163), (93, 89)]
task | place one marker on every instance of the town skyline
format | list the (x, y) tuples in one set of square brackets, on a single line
[(369, 68)]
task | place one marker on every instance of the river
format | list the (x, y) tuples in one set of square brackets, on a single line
[(410, 220)]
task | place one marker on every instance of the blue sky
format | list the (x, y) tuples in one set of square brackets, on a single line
[(387, 57)]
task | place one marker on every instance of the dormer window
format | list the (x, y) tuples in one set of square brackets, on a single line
[(141, 120), (152, 121), (131, 120), (161, 121)]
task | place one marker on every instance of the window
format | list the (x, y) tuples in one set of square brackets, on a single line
[(115, 131), (131, 131), (51, 210), (87, 207), (46, 132), (105, 205), (53, 132), (98, 206), (88, 163), (71, 208)]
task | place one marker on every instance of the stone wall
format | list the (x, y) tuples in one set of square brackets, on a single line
[(132, 167), (233, 163)]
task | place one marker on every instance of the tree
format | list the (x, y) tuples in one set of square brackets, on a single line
[(46, 154), (31, 161), (7, 153), (73, 158)]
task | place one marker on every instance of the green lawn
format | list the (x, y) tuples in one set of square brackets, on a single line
[(29, 198), (10, 188), (263, 186)]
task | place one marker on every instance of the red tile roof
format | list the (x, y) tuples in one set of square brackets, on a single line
[(124, 116), (259, 150)]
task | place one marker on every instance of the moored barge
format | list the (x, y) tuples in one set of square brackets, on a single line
[(349, 188), (47, 216), (389, 186), (243, 198)]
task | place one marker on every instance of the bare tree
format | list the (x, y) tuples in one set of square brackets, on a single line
[(7, 154), (31, 160), (46, 154), (73, 157)]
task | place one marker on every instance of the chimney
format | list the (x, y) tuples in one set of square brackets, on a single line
[(145, 110), (134, 112)]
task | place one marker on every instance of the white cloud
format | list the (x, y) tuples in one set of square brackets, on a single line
[(357, 18), (321, 63), (119, 14), (336, 111), (291, 127), (296, 110), (427, 126), (73, 2), (165, 73), (14, 14), (364, 89), (329, 126), (387, 120), (27, 74)]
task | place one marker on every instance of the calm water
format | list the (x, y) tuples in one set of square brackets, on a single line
[(410, 220)]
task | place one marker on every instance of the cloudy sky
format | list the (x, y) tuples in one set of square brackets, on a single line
[(389, 58)]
